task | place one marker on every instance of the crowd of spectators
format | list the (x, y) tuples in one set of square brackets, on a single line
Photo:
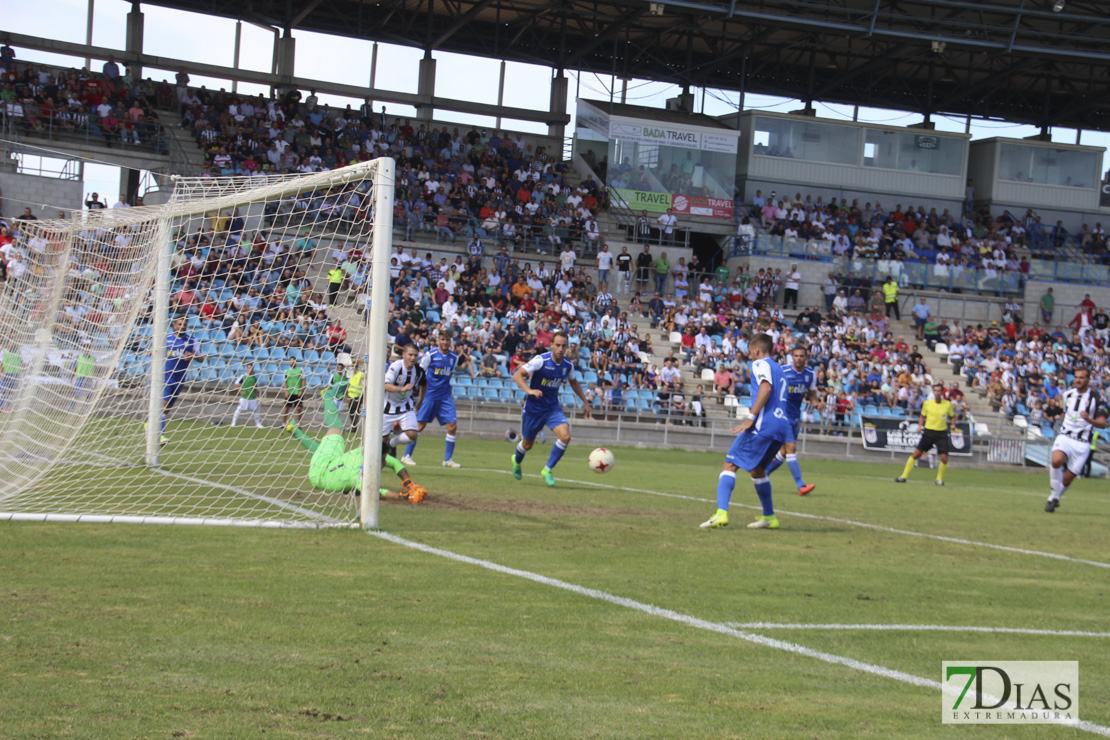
[(452, 184), (1023, 369), (111, 106), (950, 244)]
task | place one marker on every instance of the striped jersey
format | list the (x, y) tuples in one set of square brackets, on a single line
[(399, 375), (1076, 403)]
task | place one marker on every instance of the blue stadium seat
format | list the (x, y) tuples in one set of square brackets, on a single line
[(294, 353), (277, 353), (328, 357), (260, 353), (208, 375), (311, 355)]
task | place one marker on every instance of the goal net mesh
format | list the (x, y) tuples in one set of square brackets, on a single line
[(268, 284)]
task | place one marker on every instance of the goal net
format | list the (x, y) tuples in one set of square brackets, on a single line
[(152, 356)]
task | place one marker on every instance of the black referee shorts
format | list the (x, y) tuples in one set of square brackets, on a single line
[(931, 438)]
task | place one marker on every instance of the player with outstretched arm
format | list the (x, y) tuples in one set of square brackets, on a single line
[(1084, 412), (541, 378), (758, 437), (438, 364), (337, 471), (801, 386)]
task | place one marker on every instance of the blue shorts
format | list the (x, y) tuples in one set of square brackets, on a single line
[(532, 423), (750, 451), (795, 430), (172, 389), (440, 409)]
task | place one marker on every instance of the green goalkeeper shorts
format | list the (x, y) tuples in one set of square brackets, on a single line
[(333, 471)]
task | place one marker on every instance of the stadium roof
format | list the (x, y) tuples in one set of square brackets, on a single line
[(1018, 60)]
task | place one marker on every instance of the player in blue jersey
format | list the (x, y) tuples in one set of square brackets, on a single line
[(541, 378), (439, 402), (758, 438), (181, 349), (801, 386)]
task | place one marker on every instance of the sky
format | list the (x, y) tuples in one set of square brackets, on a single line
[(194, 37)]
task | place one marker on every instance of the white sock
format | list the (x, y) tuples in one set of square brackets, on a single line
[(401, 439), (235, 418), (257, 418), (1056, 482)]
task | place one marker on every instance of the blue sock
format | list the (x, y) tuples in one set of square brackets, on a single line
[(163, 423), (410, 447), (520, 453), (763, 490), (775, 464), (725, 483), (795, 469), (449, 450), (556, 454)]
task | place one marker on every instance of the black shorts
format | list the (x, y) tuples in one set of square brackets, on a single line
[(931, 438), (293, 400)]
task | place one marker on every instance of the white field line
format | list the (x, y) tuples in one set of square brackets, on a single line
[(912, 628), (233, 489), (850, 522), (702, 624), (1089, 492)]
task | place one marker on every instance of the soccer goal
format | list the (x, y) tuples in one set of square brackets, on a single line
[(152, 356)]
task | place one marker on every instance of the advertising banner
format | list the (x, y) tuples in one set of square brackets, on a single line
[(697, 205), (671, 135), (887, 434), (640, 200)]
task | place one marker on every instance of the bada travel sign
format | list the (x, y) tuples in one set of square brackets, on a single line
[(684, 138)]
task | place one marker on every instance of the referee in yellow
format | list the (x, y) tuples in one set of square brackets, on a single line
[(937, 418)]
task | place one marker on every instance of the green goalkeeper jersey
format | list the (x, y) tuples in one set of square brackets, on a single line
[(334, 470)]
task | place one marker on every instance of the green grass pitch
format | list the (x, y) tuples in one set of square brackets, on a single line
[(162, 631)]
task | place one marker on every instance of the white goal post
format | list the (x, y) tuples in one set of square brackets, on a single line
[(272, 281)]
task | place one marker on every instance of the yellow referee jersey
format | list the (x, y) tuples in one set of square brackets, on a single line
[(937, 414)]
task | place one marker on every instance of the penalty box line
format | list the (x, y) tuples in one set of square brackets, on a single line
[(837, 520), (912, 628), (698, 623)]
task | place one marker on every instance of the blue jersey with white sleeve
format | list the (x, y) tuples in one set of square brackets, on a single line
[(799, 383), (438, 368), (547, 376), (772, 421), (176, 348)]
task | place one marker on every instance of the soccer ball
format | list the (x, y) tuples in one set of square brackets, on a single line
[(601, 460)]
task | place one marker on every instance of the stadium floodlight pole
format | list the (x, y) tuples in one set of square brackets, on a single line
[(376, 341), (160, 317)]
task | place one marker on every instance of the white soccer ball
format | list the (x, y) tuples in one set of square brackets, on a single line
[(601, 460)]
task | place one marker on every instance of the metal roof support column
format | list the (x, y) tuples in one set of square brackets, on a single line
[(134, 40), (558, 106), (88, 32), (426, 86)]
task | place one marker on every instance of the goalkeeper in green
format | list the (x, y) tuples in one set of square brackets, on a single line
[(337, 471)]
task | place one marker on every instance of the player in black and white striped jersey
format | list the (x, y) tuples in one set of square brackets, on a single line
[(402, 380), (1083, 413)]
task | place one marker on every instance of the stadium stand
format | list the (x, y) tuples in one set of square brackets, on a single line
[(676, 356)]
